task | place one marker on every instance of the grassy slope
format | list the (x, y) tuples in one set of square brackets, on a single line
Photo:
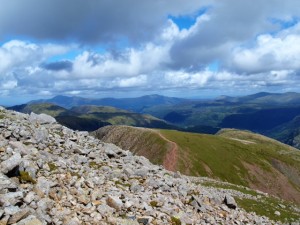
[(234, 156), (117, 116), (141, 141), (241, 157), (259, 203), (47, 108)]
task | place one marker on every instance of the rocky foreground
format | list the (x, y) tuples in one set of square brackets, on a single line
[(50, 174)]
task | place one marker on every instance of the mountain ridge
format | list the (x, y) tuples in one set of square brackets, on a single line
[(249, 158), (135, 104), (89, 117)]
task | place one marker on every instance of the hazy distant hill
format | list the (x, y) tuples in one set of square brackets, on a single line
[(133, 104), (234, 156)]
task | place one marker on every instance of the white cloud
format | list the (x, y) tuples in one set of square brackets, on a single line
[(148, 51), (17, 53), (138, 81), (131, 62), (278, 52)]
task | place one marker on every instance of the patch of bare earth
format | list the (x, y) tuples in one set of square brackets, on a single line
[(171, 157), (186, 161), (207, 169), (243, 141), (272, 182)]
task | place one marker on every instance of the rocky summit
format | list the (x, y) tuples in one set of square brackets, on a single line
[(50, 174)]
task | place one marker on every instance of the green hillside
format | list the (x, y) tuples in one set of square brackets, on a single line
[(271, 114), (47, 108), (238, 157), (140, 141), (91, 117)]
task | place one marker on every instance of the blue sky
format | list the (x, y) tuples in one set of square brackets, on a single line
[(192, 48)]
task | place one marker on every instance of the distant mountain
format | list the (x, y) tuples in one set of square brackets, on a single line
[(271, 114), (261, 120), (133, 104), (235, 156), (90, 117), (261, 112), (288, 133), (265, 98)]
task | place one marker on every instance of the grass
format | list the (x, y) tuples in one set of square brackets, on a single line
[(75, 174), (52, 166), (175, 221), (154, 203), (263, 205), (237, 157), (230, 187), (118, 182), (219, 156), (26, 178), (96, 165), (267, 206), (143, 142), (209, 155), (47, 108)]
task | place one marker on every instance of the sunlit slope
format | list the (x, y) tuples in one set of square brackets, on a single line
[(239, 157), (141, 141)]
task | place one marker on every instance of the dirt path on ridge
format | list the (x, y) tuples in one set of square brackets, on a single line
[(171, 157)]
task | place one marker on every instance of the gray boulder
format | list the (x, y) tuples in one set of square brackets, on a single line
[(10, 163), (41, 118), (230, 202)]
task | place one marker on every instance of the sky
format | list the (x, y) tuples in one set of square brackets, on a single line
[(128, 48)]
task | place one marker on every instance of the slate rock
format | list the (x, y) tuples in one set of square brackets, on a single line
[(10, 163), (41, 118), (114, 202), (30, 220), (230, 202), (18, 216)]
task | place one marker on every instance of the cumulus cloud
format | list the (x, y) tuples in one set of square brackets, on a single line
[(278, 52), (230, 23), (255, 45)]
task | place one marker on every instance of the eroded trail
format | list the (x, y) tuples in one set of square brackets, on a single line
[(171, 157)]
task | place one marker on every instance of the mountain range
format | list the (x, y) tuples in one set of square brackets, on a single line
[(91, 117), (132, 104), (271, 114)]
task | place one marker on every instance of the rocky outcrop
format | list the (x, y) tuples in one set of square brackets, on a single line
[(50, 174)]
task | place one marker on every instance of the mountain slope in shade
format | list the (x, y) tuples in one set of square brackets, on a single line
[(234, 156), (90, 117), (288, 133)]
